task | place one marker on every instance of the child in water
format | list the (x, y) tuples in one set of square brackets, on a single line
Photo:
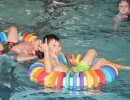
[(24, 51), (52, 49), (123, 13)]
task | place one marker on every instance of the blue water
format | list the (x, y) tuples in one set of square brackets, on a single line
[(81, 25)]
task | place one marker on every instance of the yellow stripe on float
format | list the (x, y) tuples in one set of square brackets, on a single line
[(88, 79), (78, 58)]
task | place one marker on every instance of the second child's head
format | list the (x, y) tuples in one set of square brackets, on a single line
[(54, 45), (123, 6)]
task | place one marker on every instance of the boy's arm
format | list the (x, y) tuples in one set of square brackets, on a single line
[(15, 56), (23, 58), (47, 62)]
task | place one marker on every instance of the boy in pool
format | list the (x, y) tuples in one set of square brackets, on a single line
[(123, 13), (21, 52), (52, 49)]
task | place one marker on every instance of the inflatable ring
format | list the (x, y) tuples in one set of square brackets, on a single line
[(22, 37), (88, 79), (78, 58), (41, 77), (33, 72), (19, 35), (95, 78), (1, 38), (67, 80), (107, 74), (53, 80), (102, 78), (35, 76), (27, 37), (48, 79), (111, 71), (68, 59), (72, 80), (60, 79), (63, 59), (81, 80), (33, 66), (32, 38), (73, 59), (113, 66), (4, 36)]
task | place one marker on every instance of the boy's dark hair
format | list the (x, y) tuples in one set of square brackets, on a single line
[(51, 37), (123, 0)]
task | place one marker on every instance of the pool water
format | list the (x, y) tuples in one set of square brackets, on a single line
[(81, 25)]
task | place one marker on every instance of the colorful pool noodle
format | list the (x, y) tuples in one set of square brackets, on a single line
[(23, 37), (88, 79)]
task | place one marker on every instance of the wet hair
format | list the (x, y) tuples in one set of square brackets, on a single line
[(51, 37), (124, 1)]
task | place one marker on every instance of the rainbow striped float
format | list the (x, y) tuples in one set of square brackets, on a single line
[(23, 37), (88, 79)]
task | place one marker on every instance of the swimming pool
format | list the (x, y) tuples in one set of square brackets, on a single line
[(81, 25)]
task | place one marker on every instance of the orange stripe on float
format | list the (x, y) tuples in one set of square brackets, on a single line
[(95, 78), (73, 59), (53, 79), (27, 37), (37, 73)]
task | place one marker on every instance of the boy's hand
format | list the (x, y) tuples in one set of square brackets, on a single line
[(43, 46)]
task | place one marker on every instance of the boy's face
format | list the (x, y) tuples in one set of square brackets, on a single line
[(36, 44), (54, 48), (123, 7)]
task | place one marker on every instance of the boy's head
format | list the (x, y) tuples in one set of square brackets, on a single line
[(54, 45), (123, 6), (51, 37), (36, 44)]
